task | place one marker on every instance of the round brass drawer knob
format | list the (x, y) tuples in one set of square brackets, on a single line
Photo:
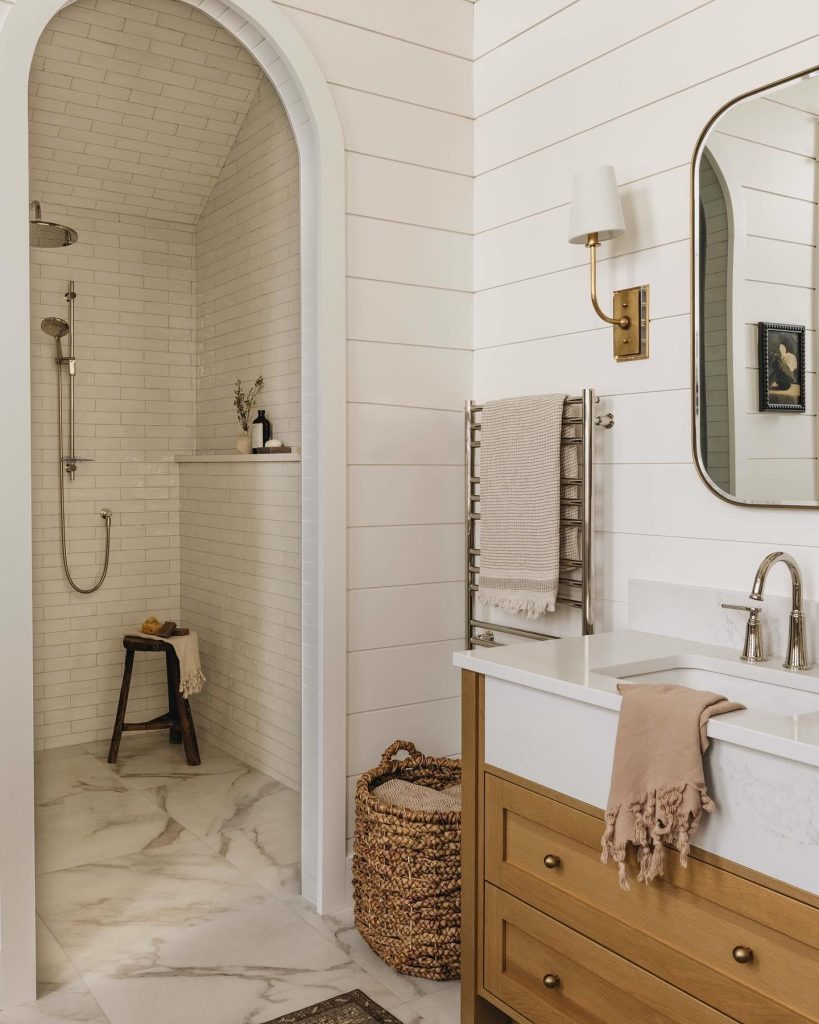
[(551, 860), (551, 980), (743, 954)]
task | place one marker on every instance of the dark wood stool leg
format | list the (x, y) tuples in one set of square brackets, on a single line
[(119, 722), (185, 718), (172, 665)]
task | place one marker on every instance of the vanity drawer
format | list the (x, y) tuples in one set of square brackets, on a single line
[(683, 928), (524, 951)]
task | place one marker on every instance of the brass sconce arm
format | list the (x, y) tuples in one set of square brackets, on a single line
[(593, 244), (596, 215), (631, 328)]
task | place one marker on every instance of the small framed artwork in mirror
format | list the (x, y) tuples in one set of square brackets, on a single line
[(781, 367)]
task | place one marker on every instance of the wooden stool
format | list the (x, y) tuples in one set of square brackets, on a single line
[(178, 718)]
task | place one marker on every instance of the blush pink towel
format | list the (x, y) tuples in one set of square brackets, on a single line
[(658, 792)]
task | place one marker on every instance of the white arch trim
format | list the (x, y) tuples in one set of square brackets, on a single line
[(287, 60)]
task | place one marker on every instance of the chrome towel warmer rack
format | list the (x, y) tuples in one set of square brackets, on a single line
[(576, 510)]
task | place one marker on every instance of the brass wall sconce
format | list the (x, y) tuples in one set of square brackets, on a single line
[(596, 216)]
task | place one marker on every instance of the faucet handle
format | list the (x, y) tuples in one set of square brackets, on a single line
[(752, 650)]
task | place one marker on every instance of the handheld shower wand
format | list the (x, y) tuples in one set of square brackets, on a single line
[(57, 328)]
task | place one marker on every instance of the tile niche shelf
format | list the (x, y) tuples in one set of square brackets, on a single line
[(291, 457)]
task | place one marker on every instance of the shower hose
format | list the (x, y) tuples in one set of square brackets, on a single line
[(104, 513)]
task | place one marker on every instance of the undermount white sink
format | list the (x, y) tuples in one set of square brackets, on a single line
[(760, 687), (552, 713)]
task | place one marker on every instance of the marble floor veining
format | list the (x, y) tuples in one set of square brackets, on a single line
[(169, 894)]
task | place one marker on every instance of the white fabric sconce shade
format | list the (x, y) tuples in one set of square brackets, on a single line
[(595, 206), (596, 216)]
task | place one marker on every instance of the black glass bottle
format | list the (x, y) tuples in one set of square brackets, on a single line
[(259, 432)]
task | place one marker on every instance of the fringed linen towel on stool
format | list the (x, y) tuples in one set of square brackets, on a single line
[(658, 791), (520, 503), (191, 677)]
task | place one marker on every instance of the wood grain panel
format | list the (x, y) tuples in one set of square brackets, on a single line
[(595, 986), (682, 928), (474, 1008)]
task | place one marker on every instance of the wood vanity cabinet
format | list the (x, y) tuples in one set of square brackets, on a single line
[(550, 938)]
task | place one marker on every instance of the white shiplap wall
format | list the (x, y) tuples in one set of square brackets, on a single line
[(631, 84), (401, 76)]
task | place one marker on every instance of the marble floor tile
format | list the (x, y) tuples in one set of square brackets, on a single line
[(101, 912), (341, 929), (67, 1002), (54, 753), (57, 778), (148, 760), (95, 825), (441, 1006), (269, 853), (170, 896), (249, 965), (222, 803)]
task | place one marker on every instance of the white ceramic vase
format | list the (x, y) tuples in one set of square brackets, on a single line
[(243, 443)]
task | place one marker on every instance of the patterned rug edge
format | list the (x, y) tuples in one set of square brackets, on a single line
[(328, 1009)]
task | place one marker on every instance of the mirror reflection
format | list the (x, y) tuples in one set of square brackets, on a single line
[(755, 196)]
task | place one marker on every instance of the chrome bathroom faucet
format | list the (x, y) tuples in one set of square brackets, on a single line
[(797, 657)]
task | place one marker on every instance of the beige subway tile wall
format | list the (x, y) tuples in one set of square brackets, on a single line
[(247, 272), (142, 102), (134, 408), (241, 590), (241, 524), (401, 80), (153, 135)]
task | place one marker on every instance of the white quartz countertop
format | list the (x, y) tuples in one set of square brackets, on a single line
[(575, 668)]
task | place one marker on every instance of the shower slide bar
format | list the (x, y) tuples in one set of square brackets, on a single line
[(576, 510), (44, 234)]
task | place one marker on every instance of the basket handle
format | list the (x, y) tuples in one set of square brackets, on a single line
[(388, 756)]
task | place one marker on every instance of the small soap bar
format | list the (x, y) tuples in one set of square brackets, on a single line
[(274, 443)]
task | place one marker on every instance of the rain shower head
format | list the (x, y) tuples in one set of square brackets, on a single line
[(54, 326), (44, 234)]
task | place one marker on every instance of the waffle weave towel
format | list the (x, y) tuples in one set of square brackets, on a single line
[(520, 503)]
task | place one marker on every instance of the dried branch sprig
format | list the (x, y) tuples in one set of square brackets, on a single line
[(244, 402)]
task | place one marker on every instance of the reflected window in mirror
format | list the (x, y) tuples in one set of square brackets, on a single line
[(754, 274)]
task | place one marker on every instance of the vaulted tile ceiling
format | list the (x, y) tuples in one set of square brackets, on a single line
[(134, 107)]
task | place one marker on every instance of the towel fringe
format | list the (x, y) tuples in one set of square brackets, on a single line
[(660, 818), (192, 683), (529, 607)]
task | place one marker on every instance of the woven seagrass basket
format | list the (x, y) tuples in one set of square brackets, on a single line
[(407, 869)]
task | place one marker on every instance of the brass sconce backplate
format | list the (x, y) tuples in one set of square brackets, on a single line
[(631, 342)]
